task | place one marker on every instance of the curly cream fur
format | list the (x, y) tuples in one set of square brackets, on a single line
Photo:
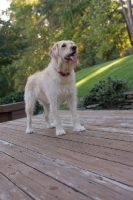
[(50, 88)]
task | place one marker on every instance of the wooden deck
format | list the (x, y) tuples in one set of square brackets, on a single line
[(96, 164)]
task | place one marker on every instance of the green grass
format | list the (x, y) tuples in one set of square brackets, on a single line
[(120, 68)]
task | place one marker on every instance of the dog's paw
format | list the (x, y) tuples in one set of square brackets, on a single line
[(79, 128), (60, 131), (29, 130), (50, 126)]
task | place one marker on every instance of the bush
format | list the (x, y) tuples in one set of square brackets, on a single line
[(108, 93), (13, 97), (18, 97), (128, 52)]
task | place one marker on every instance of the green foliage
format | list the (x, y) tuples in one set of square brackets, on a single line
[(7, 81), (12, 46), (25, 17), (121, 69), (38, 109), (107, 26), (12, 98), (12, 43), (128, 52), (108, 93), (97, 27)]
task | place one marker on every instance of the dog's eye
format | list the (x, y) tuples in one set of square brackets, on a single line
[(64, 45)]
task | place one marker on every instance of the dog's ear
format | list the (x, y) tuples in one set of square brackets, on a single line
[(53, 51)]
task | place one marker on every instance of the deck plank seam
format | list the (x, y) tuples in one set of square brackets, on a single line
[(17, 186)]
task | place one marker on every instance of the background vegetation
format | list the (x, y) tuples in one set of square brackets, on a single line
[(106, 94), (101, 29), (120, 68)]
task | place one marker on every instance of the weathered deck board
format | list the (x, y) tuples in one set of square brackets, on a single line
[(95, 164)]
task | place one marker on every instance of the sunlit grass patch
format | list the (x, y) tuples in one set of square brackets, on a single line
[(120, 68)]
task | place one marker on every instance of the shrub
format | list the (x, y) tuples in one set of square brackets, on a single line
[(128, 52), (108, 93), (18, 97), (13, 97)]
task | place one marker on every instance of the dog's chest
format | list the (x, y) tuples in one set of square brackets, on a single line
[(64, 91)]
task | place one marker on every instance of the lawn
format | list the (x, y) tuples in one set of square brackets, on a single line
[(121, 68)]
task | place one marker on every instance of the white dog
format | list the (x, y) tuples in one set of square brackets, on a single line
[(53, 85)]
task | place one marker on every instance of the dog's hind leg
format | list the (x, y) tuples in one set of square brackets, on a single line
[(29, 108), (72, 104), (55, 113), (47, 115)]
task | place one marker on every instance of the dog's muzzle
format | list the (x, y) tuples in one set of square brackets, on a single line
[(72, 57)]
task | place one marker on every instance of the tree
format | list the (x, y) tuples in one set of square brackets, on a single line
[(127, 11), (107, 29), (97, 27), (66, 20), (7, 80), (12, 43), (98, 32), (12, 46)]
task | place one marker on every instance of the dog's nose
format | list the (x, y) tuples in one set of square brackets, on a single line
[(74, 48)]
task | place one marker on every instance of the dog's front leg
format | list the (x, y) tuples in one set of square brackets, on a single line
[(55, 113), (72, 104)]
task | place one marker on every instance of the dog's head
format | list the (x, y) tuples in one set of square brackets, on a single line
[(66, 50)]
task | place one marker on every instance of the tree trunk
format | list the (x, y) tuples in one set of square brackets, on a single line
[(128, 17)]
